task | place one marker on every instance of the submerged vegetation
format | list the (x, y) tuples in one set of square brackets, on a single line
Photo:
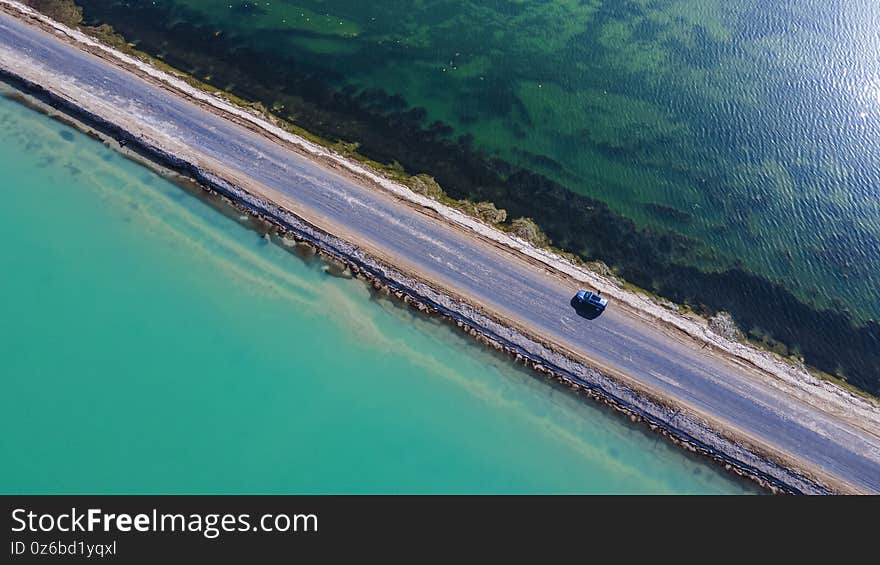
[(532, 195)]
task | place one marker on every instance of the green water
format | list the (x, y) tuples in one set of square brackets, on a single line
[(750, 127), (150, 344), (721, 154)]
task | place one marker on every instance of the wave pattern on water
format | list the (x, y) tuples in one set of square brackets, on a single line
[(748, 127), (722, 154)]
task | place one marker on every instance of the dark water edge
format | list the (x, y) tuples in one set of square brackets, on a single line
[(387, 131)]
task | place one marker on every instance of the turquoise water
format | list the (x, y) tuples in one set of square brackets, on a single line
[(151, 344)]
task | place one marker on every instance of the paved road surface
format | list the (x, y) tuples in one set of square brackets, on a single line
[(616, 339)]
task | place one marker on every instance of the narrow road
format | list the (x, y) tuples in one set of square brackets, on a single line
[(494, 278)]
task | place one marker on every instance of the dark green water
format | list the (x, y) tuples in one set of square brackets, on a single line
[(151, 344), (721, 153)]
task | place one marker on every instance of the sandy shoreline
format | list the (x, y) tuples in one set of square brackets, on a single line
[(730, 448)]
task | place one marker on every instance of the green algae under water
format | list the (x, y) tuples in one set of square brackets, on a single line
[(723, 155), (749, 127), (151, 344)]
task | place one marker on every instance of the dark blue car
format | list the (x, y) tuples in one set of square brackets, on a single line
[(588, 304)]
